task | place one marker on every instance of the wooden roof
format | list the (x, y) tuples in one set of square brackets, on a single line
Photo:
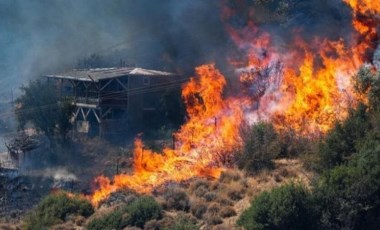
[(106, 73)]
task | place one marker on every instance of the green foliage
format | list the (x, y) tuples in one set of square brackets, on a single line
[(349, 194), (340, 143), (261, 145), (137, 213), (183, 223), (141, 210), (286, 207), (367, 83), (113, 220), (55, 208), (40, 105)]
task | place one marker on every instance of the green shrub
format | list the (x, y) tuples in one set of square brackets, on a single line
[(261, 145), (286, 207), (183, 223), (141, 210), (113, 220), (348, 195), (340, 142), (54, 208)]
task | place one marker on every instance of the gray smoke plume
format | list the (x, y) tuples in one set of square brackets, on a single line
[(42, 36)]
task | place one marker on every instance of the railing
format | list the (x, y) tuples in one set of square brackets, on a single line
[(88, 100)]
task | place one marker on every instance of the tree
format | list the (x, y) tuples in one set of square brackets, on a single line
[(40, 104)]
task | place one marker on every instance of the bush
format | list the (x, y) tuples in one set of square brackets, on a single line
[(198, 208), (183, 223), (349, 194), (340, 142), (177, 199), (54, 209), (200, 183), (261, 146), (229, 176), (113, 220), (236, 191), (286, 207), (141, 210), (137, 213), (210, 196), (227, 212)]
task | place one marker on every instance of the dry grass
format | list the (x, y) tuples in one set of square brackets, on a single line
[(198, 208), (176, 198), (227, 212), (215, 204), (210, 196), (236, 191), (230, 176), (198, 184)]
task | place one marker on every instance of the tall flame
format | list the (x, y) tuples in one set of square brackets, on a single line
[(308, 91), (316, 87), (202, 145)]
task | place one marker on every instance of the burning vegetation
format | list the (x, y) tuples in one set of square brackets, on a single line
[(305, 87), (284, 89)]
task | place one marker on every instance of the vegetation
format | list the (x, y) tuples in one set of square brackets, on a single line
[(261, 145), (183, 223), (286, 207), (55, 208), (346, 195), (40, 105), (137, 213), (177, 199), (141, 210), (113, 220)]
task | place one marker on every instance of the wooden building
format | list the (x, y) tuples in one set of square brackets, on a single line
[(113, 100)]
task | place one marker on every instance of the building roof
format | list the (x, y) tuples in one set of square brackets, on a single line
[(107, 73)]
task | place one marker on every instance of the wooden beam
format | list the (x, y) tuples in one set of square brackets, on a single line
[(122, 84), (96, 116), (104, 86)]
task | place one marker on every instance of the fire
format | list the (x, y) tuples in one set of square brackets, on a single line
[(315, 87), (320, 93), (302, 85), (202, 145)]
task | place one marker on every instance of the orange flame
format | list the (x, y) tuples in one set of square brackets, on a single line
[(316, 88), (203, 144), (314, 91)]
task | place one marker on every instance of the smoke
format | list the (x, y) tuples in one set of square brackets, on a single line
[(43, 36), (59, 174)]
